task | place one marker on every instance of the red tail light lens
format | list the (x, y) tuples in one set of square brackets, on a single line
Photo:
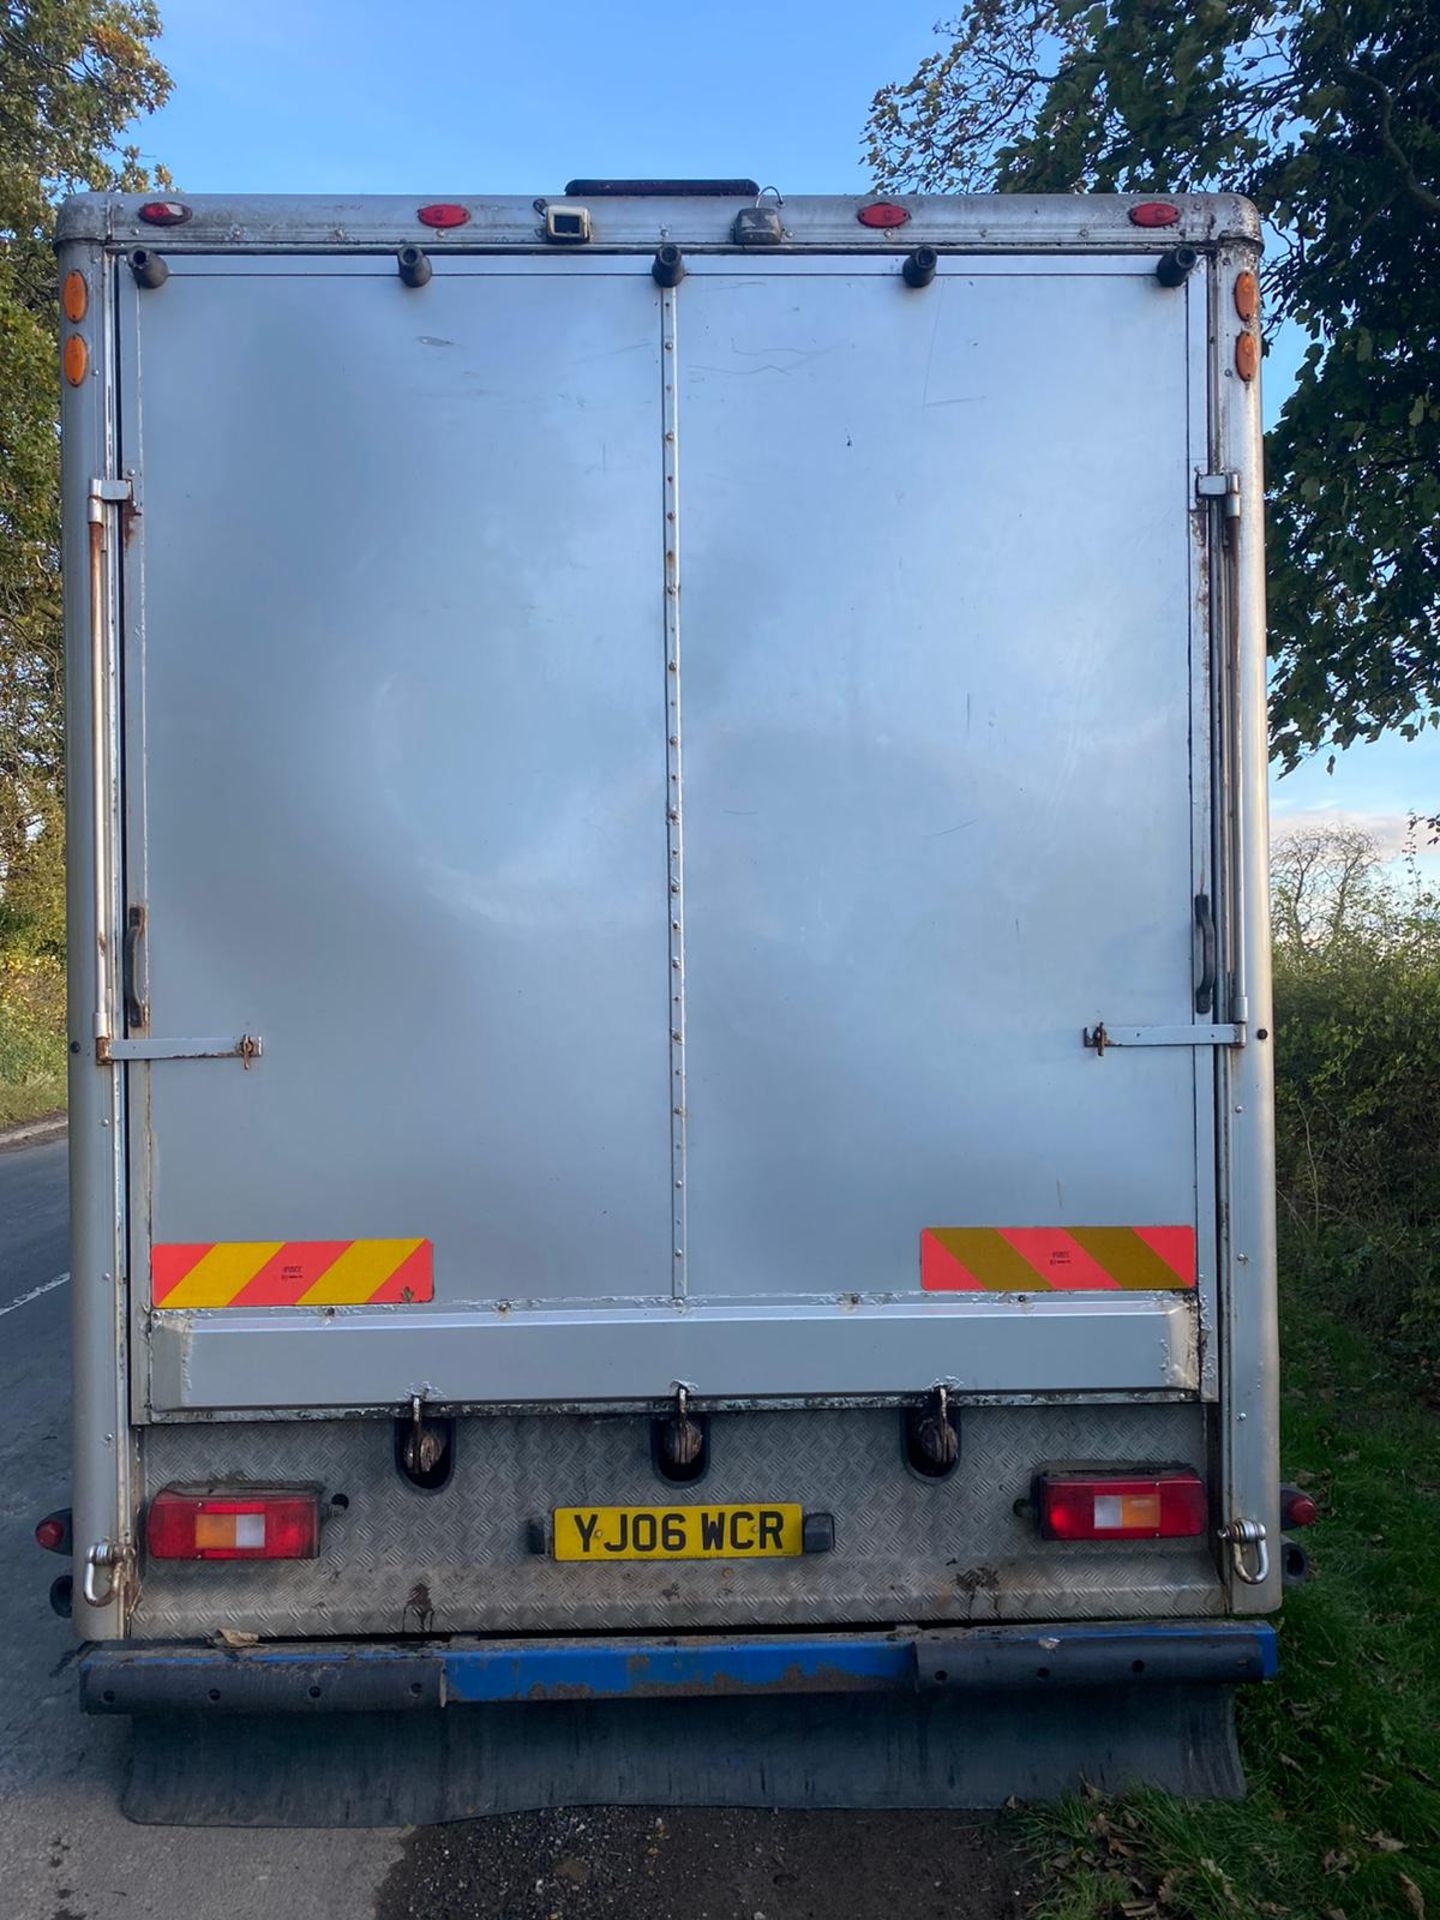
[(238, 1523), (1154, 213), (165, 213), (882, 213), (1297, 1508), (1169, 1505), (53, 1533), (442, 213)]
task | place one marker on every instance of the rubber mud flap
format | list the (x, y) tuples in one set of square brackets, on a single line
[(937, 1751)]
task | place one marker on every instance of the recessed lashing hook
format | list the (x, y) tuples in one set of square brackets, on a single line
[(681, 1441), (424, 1447), (932, 1434)]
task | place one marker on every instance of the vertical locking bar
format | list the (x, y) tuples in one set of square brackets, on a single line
[(674, 785), (105, 495), (94, 497), (100, 775)]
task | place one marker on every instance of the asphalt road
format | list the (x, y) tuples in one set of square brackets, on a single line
[(67, 1853)]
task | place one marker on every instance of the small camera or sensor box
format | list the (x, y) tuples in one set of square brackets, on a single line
[(567, 222)]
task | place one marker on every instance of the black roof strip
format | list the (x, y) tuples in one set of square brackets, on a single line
[(663, 189)]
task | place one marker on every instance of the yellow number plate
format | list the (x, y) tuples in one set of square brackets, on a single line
[(679, 1533)]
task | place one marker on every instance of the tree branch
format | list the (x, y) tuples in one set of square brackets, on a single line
[(1385, 100)]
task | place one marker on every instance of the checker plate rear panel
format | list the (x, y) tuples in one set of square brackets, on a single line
[(460, 1560)]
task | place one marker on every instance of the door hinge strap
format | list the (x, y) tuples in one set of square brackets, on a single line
[(246, 1049), (1226, 1034), (109, 493), (1223, 488)]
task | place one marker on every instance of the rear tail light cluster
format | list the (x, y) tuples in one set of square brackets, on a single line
[(237, 1523), (1164, 1504)]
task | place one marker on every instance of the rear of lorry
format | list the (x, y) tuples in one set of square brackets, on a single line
[(669, 975)]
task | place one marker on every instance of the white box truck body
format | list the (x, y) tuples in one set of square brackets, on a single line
[(670, 1013)]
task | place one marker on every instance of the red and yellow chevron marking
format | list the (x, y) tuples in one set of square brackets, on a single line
[(1040, 1259), (291, 1273)]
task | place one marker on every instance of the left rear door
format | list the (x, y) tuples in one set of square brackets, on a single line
[(396, 781)]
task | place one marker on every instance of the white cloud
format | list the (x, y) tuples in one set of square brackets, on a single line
[(1391, 832)]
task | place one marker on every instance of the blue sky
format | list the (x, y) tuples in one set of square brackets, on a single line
[(436, 97)]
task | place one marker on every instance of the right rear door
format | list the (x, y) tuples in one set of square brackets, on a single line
[(945, 800)]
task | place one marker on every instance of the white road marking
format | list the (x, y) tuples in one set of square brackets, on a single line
[(34, 1294)]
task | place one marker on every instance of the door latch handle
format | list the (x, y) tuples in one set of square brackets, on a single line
[(1205, 987), (137, 1007)]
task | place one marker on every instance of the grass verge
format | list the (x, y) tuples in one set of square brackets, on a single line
[(32, 1037), (35, 1100), (1343, 1750)]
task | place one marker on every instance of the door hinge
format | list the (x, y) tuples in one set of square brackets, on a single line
[(109, 493), (1223, 489)]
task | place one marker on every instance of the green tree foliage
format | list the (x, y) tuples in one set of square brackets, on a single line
[(1327, 114), (73, 75), (1357, 1064)]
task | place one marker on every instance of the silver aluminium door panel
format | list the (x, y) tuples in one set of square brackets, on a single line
[(664, 779), (937, 727)]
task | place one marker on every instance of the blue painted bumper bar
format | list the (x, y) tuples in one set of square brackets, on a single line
[(341, 1676)]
